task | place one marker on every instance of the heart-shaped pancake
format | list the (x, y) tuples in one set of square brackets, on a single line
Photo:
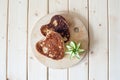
[(52, 46), (57, 24)]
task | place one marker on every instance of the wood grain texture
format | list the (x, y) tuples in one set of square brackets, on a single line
[(57, 74), (114, 39), (17, 40), (80, 71), (57, 5), (98, 55), (3, 38), (37, 9), (15, 32)]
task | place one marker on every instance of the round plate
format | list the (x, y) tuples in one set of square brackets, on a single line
[(78, 33)]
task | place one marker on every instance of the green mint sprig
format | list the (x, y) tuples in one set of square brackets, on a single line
[(73, 49)]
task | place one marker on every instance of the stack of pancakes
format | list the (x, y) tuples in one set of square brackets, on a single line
[(56, 34)]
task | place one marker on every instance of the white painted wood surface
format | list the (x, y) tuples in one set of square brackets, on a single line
[(102, 63), (114, 39), (3, 30), (98, 28), (37, 9), (17, 37)]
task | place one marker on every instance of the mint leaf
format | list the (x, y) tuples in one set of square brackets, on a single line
[(73, 44)]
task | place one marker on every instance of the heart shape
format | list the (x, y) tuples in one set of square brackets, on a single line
[(52, 46), (59, 25)]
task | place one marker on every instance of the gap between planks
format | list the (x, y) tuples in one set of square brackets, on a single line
[(88, 37), (47, 13), (7, 39), (27, 40), (108, 40)]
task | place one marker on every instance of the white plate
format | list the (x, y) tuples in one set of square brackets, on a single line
[(80, 36)]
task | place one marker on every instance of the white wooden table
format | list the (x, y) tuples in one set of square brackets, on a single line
[(102, 19)]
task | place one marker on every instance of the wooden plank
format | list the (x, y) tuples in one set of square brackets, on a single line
[(57, 5), (114, 39), (17, 40), (80, 71), (37, 9), (3, 29), (57, 74), (98, 56)]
